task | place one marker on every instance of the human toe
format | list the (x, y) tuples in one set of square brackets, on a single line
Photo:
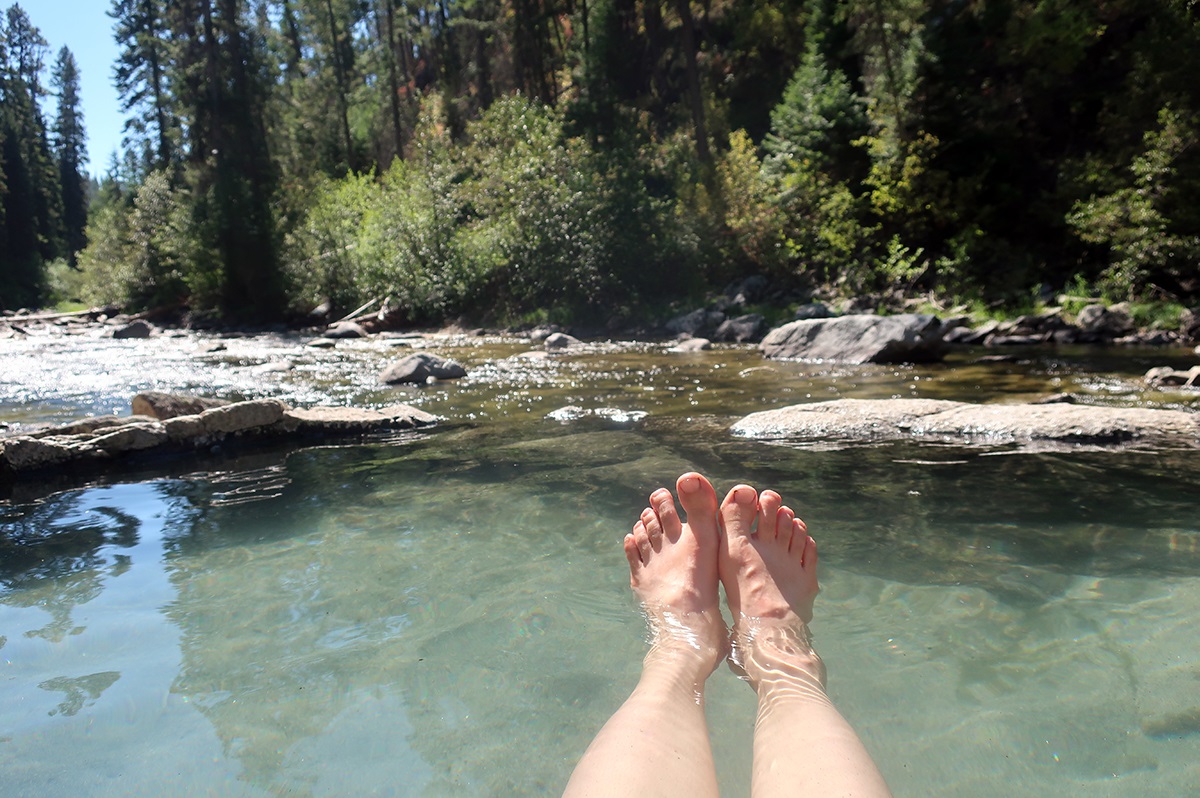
[(654, 530), (784, 523), (699, 501), (663, 506), (768, 511), (738, 510)]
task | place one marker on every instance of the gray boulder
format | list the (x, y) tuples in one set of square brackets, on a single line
[(345, 329), (539, 334), (1106, 322), (752, 289), (418, 369), (698, 322), (135, 329), (1189, 324), (691, 345), (741, 329), (558, 341), (907, 338), (814, 310)]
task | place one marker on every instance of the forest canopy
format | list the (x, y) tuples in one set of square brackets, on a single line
[(513, 159)]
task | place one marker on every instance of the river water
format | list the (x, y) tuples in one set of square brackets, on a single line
[(448, 613)]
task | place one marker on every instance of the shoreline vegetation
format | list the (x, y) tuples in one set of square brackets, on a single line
[(590, 165)]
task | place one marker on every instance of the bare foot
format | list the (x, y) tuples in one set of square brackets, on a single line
[(673, 570), (768, 564)]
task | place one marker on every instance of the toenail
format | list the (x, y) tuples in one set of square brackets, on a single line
[(691, 485)]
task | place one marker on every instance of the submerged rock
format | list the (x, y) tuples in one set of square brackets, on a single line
[(907, 338), (941, 420)]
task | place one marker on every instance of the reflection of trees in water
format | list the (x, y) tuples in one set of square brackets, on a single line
[(371, 584), (80, 692), (53, 555)]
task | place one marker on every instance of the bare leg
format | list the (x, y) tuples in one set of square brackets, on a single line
[(657, 742), (802, 744)]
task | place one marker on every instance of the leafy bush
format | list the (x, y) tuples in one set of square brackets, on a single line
[(1149, 226)]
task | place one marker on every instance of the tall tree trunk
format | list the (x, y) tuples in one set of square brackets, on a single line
[(389, 40), (343, 89), (695, 97)]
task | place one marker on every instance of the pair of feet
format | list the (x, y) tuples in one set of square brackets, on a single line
[(750, 543)]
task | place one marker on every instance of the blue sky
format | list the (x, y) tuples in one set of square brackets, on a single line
[(84, 26)]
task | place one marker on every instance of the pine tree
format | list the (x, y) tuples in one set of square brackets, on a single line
[(140, 75), (70, 143), (32, 199)]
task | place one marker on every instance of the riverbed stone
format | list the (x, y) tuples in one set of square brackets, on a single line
[(419, 368), (691, 345), (27, 454), (741, 329), (135, 329), (345, 329), (961, 422), (813, 310), (82, 427), (905, 338), (556, 342), (1189, 325), (242, 416), (169, 405), (130, 437), (1107, 322), (698, 322)]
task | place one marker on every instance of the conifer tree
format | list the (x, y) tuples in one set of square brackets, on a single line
[(32, 199), (70, 143)]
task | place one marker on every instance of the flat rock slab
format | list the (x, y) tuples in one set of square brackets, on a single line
[(111, 438), (962, 422)]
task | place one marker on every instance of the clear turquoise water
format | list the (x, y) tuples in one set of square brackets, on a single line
[(448, 614)]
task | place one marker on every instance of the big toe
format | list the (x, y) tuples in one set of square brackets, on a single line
[(699, 501), (738, 511)]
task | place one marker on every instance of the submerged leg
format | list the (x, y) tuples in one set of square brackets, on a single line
[(802, 744), (657, 742)]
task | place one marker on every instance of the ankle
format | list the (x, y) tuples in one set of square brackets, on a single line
[(775, 656)]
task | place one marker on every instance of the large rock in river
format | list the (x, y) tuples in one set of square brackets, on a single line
[(940, 420), (418, 369), (907, 338)]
